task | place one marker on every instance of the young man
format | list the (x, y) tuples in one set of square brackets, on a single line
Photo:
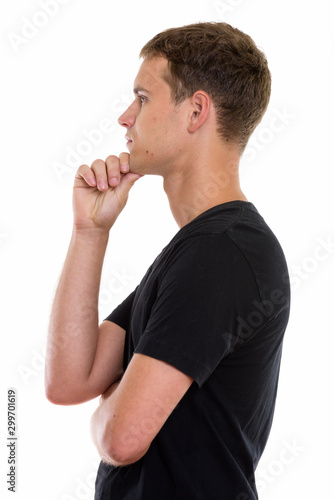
[(187, 365)]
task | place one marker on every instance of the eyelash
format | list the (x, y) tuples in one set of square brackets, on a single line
[(142, 99)]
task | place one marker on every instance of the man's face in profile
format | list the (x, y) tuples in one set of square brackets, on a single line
[(155, 126)]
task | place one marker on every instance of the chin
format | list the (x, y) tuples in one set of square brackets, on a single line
[(144, 171), (142, 167), (135, 168)]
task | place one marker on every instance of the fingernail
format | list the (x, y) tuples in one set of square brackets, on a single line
[(103, 185), (113, 181), (124, 168)]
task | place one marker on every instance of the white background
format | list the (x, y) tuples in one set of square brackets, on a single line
[(76, 71)]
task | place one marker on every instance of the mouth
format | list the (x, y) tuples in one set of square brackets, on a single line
[(128, 140)]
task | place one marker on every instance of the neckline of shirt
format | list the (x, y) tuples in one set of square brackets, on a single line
[(228, 204)]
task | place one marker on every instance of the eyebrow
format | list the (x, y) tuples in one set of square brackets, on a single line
[(138, 90)]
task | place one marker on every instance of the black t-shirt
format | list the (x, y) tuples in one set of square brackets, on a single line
[(215, 305)]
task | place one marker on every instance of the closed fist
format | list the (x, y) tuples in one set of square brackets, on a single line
[(100, 192)]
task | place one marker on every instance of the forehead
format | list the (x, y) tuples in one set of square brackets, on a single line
[(150, 74)]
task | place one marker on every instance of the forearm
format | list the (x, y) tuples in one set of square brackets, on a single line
[(78, 362), (99, 422), (106, 438), (73, 328)]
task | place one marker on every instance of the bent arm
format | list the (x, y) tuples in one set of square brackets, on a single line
[(82, 358), (133, 411)]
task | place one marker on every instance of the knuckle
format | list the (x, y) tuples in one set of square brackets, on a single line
[(98, 164), (112, 159), (124, 156), (82, 170), (83, 167)]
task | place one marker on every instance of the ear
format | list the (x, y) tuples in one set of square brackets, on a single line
[(200, 107)]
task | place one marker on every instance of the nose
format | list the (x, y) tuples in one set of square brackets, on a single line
[(127, 119)]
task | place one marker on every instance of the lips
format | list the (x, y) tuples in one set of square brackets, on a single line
[(128, 139)]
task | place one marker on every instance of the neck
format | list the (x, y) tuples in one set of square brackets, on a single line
[(199, 185)]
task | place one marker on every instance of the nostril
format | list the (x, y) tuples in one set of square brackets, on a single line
[(124, 122)]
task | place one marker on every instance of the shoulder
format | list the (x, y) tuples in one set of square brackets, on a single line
[(201, 257)]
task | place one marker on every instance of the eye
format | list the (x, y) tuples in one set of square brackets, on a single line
[(142, 99)]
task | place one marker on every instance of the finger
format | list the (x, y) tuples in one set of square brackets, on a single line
[(100, 170), (113, 170), (85, 173), (124, 159)]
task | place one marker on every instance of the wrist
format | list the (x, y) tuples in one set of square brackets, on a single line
[(91, 234)]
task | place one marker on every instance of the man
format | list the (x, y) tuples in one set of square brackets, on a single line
[(187, 365)]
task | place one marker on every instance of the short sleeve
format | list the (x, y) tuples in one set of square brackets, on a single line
[(205, 287), (122, 313)]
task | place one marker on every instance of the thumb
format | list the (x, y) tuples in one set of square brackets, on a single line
[(126, 182)]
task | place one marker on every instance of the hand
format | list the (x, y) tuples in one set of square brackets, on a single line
[(100, 192)]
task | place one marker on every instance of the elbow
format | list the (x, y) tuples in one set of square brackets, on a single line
[(124, 449), (55, 396), (51, 393), (121, 457), (117, 444), (61, 394), (52, 388), (57, 399), (64, 399)]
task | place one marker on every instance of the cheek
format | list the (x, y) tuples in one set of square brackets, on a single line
[(149, 154), (157, 135)]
